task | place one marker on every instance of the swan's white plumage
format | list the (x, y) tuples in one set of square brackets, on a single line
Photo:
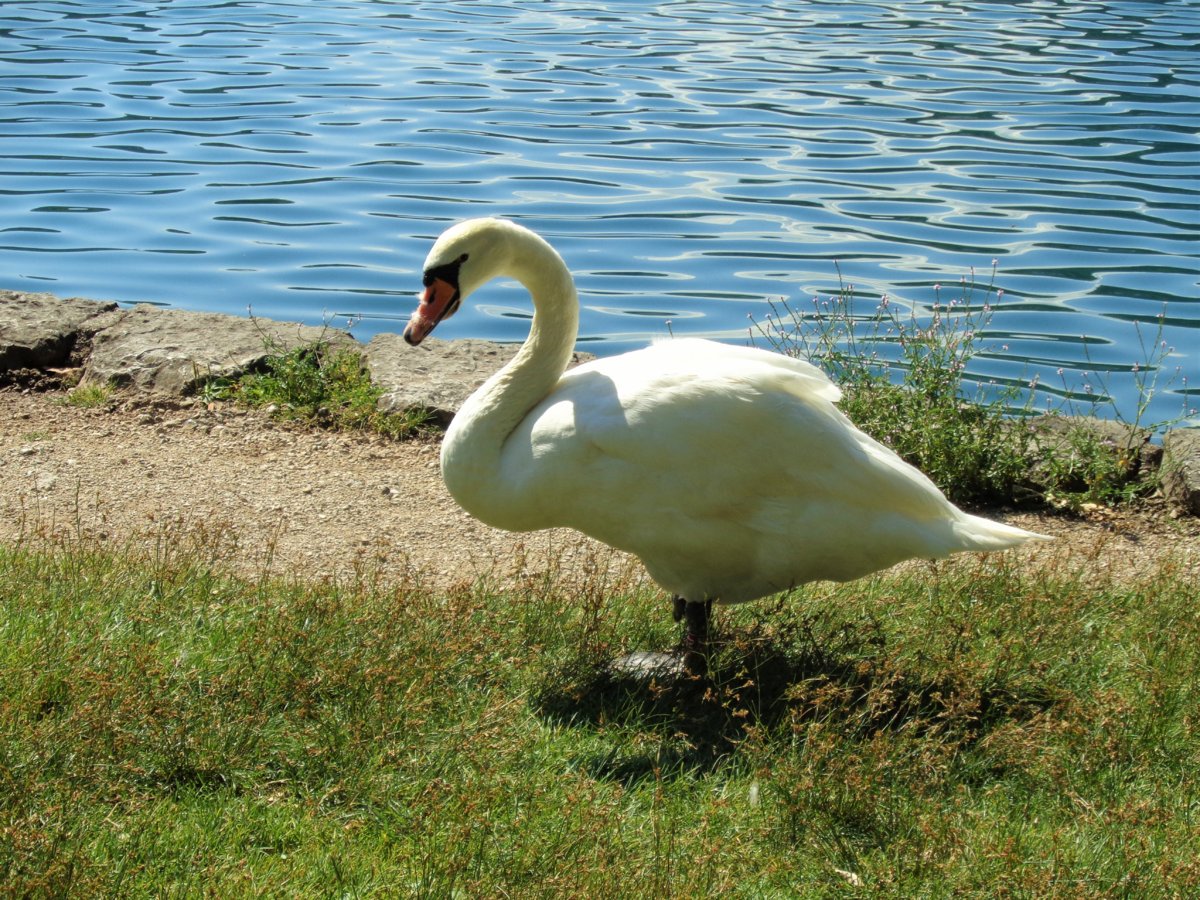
[(727, 470)]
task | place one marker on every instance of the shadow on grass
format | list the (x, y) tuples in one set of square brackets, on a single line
[(762, 680)]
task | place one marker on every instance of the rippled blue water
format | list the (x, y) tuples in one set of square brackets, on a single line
[(692, 160)]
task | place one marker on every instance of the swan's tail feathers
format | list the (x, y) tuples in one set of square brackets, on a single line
[(983, 534)]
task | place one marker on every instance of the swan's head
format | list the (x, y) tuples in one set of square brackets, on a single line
[(461, 260)]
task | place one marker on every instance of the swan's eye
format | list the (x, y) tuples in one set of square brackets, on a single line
[(448, 272)]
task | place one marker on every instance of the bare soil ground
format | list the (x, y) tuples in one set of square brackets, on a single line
[(292, 500)]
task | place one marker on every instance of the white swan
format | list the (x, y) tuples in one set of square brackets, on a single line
[(727, 470)]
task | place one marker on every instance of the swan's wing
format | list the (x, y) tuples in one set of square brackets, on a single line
[(729, 472), (671, 357), (709, 418)]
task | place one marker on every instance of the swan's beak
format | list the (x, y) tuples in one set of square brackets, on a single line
[(439, 300)]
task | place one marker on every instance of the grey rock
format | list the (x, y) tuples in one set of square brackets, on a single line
[(647, 666), (173, 351), (42, 331), (437, 376), (1181, 470)]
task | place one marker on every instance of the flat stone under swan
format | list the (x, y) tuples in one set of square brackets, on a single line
[(728, 471)]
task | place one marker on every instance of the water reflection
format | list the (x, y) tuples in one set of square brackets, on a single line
[(692, 160)]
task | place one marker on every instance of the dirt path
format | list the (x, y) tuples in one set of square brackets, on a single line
[(318, 504)]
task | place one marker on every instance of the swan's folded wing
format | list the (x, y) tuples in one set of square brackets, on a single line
[(704, 428)]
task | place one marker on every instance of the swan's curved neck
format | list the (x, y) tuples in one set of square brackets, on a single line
[(472, 464)]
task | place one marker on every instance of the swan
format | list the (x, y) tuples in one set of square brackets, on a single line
[(728, 471)]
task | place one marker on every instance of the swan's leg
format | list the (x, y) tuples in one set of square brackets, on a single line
[(695, 639), (679, 606), (696, 615)]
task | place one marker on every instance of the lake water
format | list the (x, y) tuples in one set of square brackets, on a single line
[(691, 160)]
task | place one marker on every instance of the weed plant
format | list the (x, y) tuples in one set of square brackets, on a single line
[(972, 730), (903, 382), (318, 383), (89, 396)]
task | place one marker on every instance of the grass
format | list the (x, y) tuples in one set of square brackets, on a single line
[(904, 382), (977, 729), (319, 384), (89, 396)]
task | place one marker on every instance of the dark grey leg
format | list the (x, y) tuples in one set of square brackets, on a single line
[(696, 615), (695, 638)]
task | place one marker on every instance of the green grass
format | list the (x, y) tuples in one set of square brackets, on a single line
[(318, 384), (89, 396), (972, 730)]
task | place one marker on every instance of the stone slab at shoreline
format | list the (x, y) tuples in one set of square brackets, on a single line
[(169, 353)]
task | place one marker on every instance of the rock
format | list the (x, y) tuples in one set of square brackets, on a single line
[(1181, 470), (647, 666), (438, 375), (174, 351), (41, 331)]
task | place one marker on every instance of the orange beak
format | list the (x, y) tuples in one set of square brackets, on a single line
[(439, 300)]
